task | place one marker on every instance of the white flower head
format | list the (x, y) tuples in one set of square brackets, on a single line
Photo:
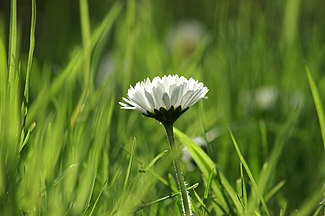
[(166, 98)]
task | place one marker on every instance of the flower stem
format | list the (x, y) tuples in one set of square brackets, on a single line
[(185, 199)]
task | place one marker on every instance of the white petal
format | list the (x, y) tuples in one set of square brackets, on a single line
[(166, 100), (185, 98), (174, 96), (150, 100), (193, 96), (157, 95)]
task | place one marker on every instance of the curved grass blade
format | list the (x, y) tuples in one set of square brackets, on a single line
[(274, 190), (206, 164), (99, 195), (160, 155), (201, 202), (318, 103)]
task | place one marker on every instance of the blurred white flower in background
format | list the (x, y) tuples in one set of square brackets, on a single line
[(184, 38), (267, 98), (210, 136), (295, 99), (262, 99), (186, 156), (106, 67)]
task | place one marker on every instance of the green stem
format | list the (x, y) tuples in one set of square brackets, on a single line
[(185, 199)]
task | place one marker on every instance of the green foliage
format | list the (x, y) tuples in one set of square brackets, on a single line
[(66, 148)]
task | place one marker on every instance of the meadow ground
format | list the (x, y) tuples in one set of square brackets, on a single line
[(66, 147)]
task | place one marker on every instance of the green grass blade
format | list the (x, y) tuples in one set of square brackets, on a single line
[(97, 199), (160, 155), (66, 172), (126, 181), (201, 202), (318, 103), (3, 83), (243, 185), (12, 56), (318, 210), (24, 137), (3, 63), (158, 177), (86, 39), (208, 186), (309, 206), (200, 157), (27, 136), (274, 190), (225, 194), (172, 183), (12, 105), (243, 161), (283, 209), (31, 51), (145, 205)]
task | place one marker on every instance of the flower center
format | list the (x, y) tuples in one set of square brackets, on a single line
[(167, 116)]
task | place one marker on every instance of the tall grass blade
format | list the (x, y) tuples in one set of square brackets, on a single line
[(318, 103), (3, 57), (31, 51), (25, 136), (128, 172), (12, 56), (243, 161), (97, 199), (86, 40), (3, 100)]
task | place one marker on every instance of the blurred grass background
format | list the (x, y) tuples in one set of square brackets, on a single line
[(67, 148)]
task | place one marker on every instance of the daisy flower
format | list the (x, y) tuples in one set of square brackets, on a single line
[(166, 98)]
